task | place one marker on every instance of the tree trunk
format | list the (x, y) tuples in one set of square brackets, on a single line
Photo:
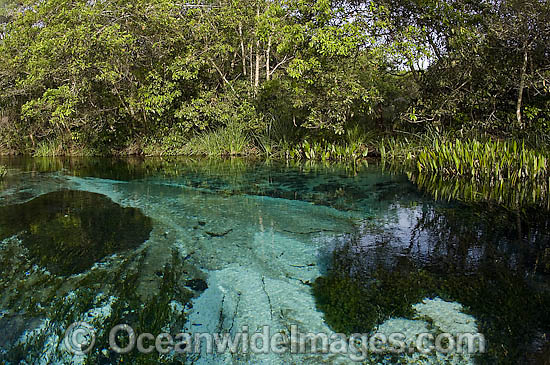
[(257, 73), (243, 53), (251, 67), (521, 87), (267, 56), (257, 77)]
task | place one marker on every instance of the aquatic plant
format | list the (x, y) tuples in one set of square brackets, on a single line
[(508, 311), (495, 161), (473, 169), (353, 307), (68, 231), (399, 149), (325, 151)]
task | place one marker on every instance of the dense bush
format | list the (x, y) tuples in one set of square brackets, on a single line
[(98, 77)]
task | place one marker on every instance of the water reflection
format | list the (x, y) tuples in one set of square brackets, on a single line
[(379, 243), (491, 260), (68, 231), (512, 195)]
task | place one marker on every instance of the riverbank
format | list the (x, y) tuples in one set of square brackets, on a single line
[(474, 169)]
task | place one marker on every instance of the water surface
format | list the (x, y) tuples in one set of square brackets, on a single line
[(194, 246)]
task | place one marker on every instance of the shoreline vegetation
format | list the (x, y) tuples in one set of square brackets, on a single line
[(453, 92)]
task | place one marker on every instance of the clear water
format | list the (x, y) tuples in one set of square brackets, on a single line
[(202, 246)]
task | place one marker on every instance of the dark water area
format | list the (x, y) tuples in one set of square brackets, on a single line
[(68, 231), (211, 245)]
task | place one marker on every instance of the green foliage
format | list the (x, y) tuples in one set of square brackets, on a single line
[(477, 53), (494, 161), (325, 151), (113, 75), (151, 76)]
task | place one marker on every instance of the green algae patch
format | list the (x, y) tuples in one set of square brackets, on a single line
[(350, 306), (507, 309), (68, 231)]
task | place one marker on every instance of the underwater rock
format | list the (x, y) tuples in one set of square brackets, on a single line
[(68, 231), (446, 316), (197, 284), (433, 316)]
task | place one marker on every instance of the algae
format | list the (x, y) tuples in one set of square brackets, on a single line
[(507, 308), (68, 231)]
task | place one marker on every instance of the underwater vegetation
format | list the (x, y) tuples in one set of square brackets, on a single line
[(498, 274), (351, 306), (68, 231), (154, 314), (509, 312)]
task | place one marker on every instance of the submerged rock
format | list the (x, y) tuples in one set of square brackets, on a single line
[(197, 285), (434, 316), (68, 231)]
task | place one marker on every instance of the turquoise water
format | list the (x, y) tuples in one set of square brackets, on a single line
[(209, 246)]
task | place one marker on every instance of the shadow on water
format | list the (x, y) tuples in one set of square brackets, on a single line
[(68, 231)]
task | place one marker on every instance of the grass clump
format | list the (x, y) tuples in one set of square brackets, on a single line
[(230, 140), (48, 149)]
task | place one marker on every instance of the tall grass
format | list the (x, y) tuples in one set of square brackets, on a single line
[(230, 140), (57, 147), (48, 149)]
